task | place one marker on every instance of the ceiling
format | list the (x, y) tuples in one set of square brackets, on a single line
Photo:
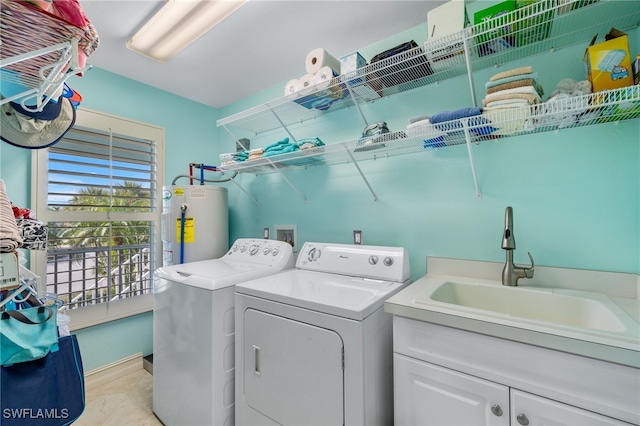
[(262, 44)]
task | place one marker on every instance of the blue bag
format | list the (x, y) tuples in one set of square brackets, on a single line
[(46, 392), (27, 334)]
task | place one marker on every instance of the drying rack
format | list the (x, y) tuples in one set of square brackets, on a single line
[(38, 53), (538, 28)]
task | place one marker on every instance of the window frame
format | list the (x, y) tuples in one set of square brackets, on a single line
[(113, 310)]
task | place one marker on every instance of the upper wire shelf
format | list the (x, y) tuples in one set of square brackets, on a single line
[(578, 111), (38, 53), (539, 27)]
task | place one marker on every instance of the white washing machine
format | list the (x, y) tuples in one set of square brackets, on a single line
[(313, 343), (193, 331)]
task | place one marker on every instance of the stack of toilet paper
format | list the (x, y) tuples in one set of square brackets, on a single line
[(319, 87)]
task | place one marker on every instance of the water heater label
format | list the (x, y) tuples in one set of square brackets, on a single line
[(178, 192), (189, 234)]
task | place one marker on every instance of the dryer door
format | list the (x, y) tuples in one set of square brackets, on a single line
[(293, 372)]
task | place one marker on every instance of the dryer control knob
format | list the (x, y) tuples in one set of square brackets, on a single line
[(253, 250), (235, 247), (388, 261), (373, 260), (275, 252), (243, 248), (266, 251), (314, 254)]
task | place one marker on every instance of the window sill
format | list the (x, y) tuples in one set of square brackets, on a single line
[(106, 312)]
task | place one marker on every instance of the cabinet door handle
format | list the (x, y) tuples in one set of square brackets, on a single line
[(256, 360), (495, 409), (522, 419)]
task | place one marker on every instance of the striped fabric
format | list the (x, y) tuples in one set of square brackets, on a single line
[(10, 238)]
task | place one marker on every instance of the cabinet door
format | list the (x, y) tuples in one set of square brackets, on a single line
[(532, 410), (292, 371), (425, 394)]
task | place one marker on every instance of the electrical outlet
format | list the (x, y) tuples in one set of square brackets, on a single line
[(266, 233), (287, 233), (357, 237)]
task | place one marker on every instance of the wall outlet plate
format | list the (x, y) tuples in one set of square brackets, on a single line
[(287, 233)]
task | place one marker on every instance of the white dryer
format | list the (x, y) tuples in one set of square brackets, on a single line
[(193, 331), (313, 343)]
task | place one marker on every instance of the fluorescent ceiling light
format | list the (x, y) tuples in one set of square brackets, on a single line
[(178, 24)]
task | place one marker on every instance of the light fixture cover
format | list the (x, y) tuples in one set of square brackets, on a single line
[(178, 24)]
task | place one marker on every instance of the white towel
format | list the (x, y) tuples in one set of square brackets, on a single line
[(10, 238)]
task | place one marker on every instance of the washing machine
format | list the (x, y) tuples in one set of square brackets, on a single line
[(193, 331), (313, 343)]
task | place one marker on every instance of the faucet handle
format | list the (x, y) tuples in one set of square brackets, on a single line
[(529, 269)]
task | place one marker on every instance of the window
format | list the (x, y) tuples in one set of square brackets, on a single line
[(97, 191)]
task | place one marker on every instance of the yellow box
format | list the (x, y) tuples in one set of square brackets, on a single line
[(609, 63)]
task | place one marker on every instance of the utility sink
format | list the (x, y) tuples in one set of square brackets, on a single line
[(572, 308), (582, 315)]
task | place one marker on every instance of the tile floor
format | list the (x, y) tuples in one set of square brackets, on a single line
[(125, 401)]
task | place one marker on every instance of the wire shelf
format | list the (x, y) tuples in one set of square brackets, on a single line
[(602, 107), (537, 28), (38, 52)]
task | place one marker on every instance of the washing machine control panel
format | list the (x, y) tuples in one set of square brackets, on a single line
[(260, 251), (377, 262)]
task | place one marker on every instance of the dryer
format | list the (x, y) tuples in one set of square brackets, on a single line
[(194, 331), (313, 343)]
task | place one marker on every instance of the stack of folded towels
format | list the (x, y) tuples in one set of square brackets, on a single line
[(509, 97), (281, 147)]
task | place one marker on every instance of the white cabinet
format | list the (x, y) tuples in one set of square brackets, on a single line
[(427, 394), (532, 410), (449, 376)]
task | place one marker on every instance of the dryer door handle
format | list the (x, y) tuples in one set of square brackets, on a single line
[(256, 360)]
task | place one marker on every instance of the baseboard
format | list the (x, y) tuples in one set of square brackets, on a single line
[(113, 371)]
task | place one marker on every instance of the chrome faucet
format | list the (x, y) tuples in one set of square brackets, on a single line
[(511, 272)]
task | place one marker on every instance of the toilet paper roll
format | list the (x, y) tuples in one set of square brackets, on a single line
[(319, 58), (307, 84), (323, 78), (292, 88)]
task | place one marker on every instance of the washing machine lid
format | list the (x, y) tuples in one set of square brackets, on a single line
[(340, 295), (214, 274)]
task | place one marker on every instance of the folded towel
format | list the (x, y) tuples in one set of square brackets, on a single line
[(507, 103), (310, 142), (454, 115), (531, 99), (283, 150), (511, 73), (276, 144), (519, 83), (449, 121), (492, 83), (256, 151), (10, 238), (509, 120)]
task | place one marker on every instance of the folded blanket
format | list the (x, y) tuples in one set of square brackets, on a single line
[(511, 73), (275, 145), (306, 143), (34, 234), (511, 85)]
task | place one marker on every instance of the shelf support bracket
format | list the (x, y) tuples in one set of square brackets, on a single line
[(356, 104), (467, 136), (467, 57), (284, 126), (355, 163), (242, 189)]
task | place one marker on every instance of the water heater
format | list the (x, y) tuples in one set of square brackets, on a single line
[(195, 223)]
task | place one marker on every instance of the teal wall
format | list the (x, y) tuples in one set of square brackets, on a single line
[(575, 192)]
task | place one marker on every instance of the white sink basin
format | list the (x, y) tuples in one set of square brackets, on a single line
[(581, 315), (572, 308)]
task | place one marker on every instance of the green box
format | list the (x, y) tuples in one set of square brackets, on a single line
[(494, 34), (532, 25)]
